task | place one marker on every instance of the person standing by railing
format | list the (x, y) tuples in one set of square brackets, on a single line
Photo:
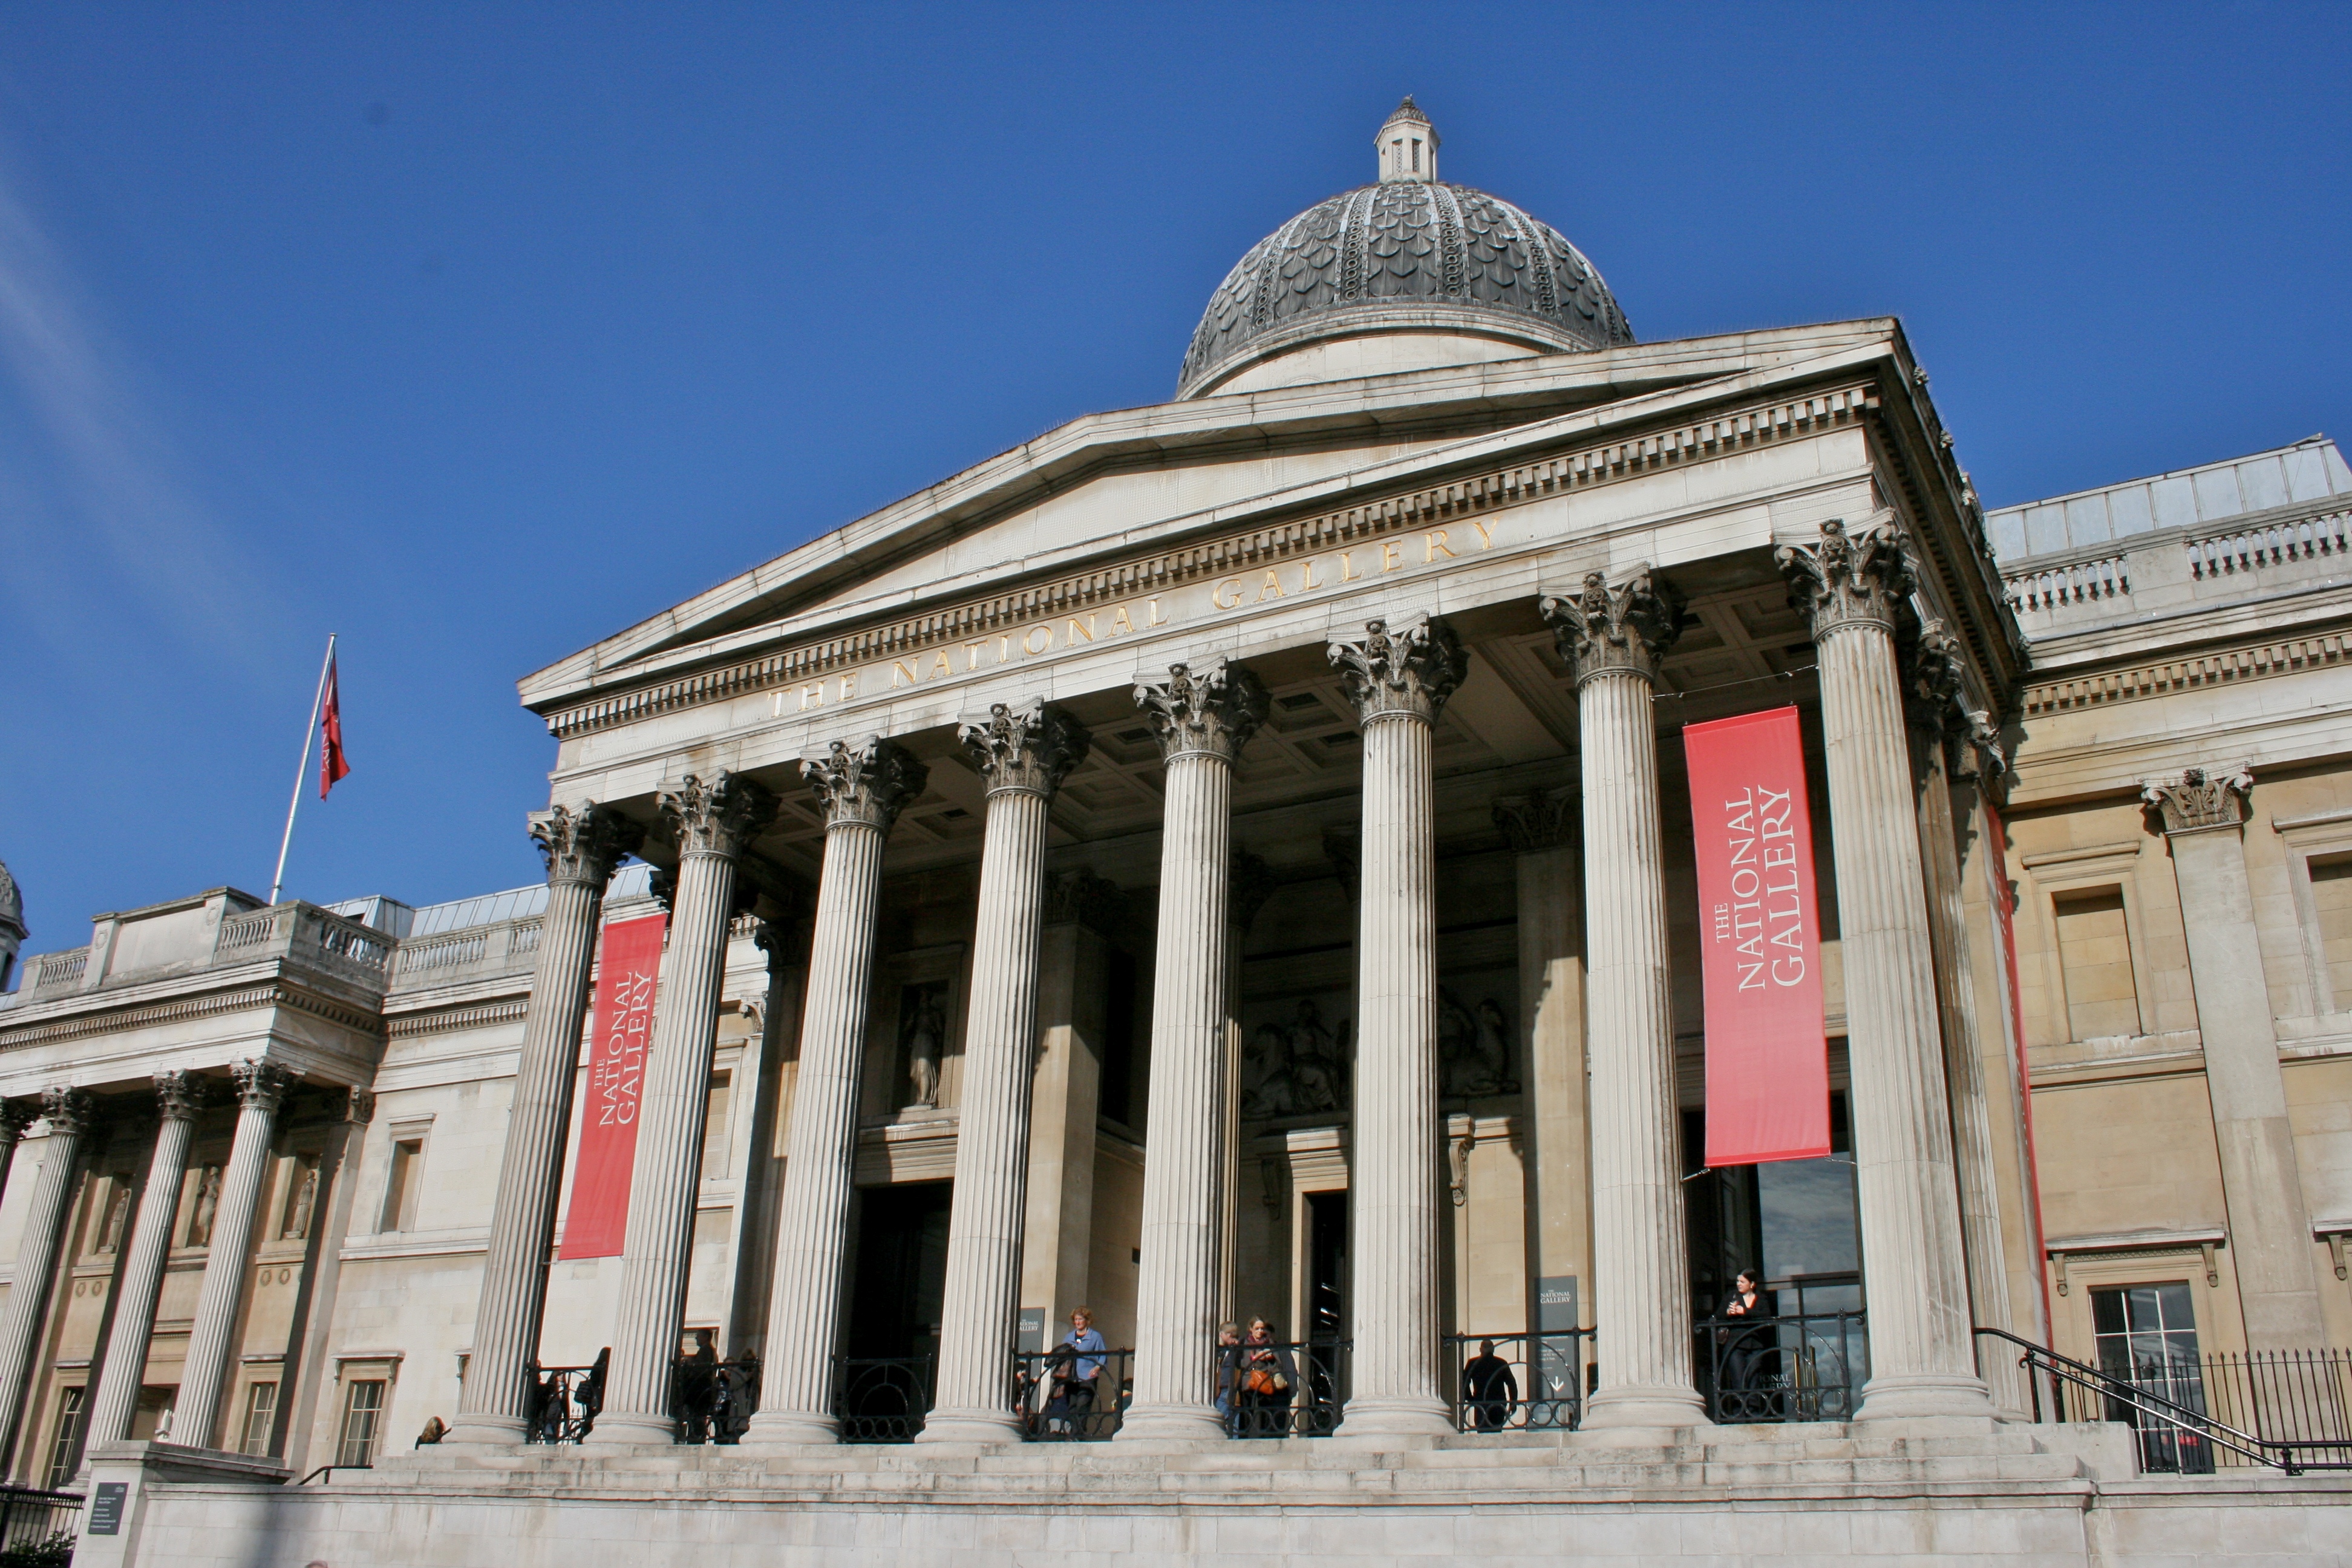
[(1740, 1346), (1075, 1372), (1229, 1376), (1267, 1381), (1489, 1391)]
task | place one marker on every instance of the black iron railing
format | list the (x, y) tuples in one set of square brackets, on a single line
[(1065, 1395), (2287, 1410), (37, 1527), (1516, 1383), (883, 1399), (564, 1404), (1290, 1389), (1808, 1366)]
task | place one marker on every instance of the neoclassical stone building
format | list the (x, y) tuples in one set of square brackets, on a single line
[(1234, 858)]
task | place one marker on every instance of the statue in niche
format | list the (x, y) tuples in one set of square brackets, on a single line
[(118, 1212), (1474, 1053), (303, 1200), (922, 1038), (207, 1205), (1298, 1070)]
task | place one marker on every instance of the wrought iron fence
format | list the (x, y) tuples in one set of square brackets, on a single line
[(1518, 1383), (37, 1526), (1284, 1389), (1064, 1396), (883, 1399), (713, 1401), (1807, 1366), (564, 1404), (2284, 1410)]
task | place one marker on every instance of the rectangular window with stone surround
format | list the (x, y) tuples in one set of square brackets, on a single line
[(65, 1448), (2094, 954), (362, 1414), (260, 1418), (715, 1142), (402, 1174), (2331, 906)]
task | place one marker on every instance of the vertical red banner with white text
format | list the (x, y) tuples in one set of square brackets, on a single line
[(1768, 1061), (598, 1220)]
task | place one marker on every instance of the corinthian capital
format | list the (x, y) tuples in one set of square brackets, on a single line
[(1544, 820), (1081, 897), (1029, 749), (583, 843), (15, 1115), (1626, 629), (1210, 711), (1935, 671), (1408, 670), (260, 1085), (1845, 580), (177, 1095), (867, 784), (2199, 799), (67, 1111), (720, 817)]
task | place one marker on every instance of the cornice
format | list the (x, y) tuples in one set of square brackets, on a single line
[(452, 1020), (1585, 465), (119, 1020), (2163, 678)]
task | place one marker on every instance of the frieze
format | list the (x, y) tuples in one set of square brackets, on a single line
[(452, 1020), (1411, 531), (2288, 656), (109, 1023)]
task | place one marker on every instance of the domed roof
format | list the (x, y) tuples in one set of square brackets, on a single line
[(1409, 253), (12, 902)]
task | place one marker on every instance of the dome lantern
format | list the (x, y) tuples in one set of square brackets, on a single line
[(1407, 144)]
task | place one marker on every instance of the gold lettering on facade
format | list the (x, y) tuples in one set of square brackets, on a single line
[(1486, 534), (1029, 643), (1070, 638), (1307, 582), (1217, 593), (1157, 619), (1118, 621), (1390, 560), (1004, 649), (1273, 584), (902, 674), (972, 654), (848, 685), (1347, 567), (1433, 545), (941, 665), (807, 691)]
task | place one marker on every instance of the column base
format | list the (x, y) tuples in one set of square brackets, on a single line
[(1187, 1422), (790, 1429), (1925, 1396), (995, 1427), (1395, 1418), (1660, 1407), (622, 1428), (481, 1430)]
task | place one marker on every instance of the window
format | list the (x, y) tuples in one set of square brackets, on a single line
[(65, 1450), (2331, 899), (715, 1140), (1416, 155), (2147, 1335), (400, 1185), (362, 1413), (260, 1418), (2094, 951)]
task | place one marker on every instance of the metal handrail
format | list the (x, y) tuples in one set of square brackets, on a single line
[(1791, 1366), (1057, 1405), (328, 1470), (2277, 1453), (1546, 1373)]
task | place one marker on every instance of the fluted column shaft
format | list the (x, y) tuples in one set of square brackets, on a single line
[(1613, 638), (1022, 755), (712, 825), (212, 1342), (1397, 680), (862, 792), (582, 846), (1203, 720), (143, 1271), (69, 1114), (1923, 1358), (1964, 1080)]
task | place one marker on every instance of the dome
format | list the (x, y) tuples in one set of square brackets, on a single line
[(1409, 254)]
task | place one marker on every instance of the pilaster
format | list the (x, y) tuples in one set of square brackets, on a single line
[(261, 1086)]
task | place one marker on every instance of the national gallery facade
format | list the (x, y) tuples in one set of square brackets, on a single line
[(1234, 860)]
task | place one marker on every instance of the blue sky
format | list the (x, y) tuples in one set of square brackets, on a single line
[(477, 332)]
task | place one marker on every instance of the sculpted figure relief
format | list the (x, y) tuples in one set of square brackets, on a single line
[(1301, 1069), (922, 1038), (200, 1221), (1474, 1050)]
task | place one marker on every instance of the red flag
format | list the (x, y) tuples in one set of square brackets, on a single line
[(1768, 1070), (332, 764)]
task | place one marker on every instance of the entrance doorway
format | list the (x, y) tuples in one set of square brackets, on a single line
[(902, 1271)]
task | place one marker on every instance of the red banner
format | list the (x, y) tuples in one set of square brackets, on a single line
[(598, 1219), (1768, 1059)]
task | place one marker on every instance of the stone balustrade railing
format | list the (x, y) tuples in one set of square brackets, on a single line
[(2079, 590), (53, 970), (477, 952)]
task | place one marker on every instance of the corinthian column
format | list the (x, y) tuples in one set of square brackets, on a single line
[(1922, 1355), (862, 789), (712, 825), (69, 1114), (582, 846), (1022, 755), (1613, 639), (1397, 680), (143, 1271), (2203, 817), (1203, 720), (1939, 725), (15, 1115), (261, 1087)]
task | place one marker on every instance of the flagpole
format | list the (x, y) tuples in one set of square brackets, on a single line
[(302, 771)]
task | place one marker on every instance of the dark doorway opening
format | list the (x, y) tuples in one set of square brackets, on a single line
[(1327, 1267), (902, 1271)]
